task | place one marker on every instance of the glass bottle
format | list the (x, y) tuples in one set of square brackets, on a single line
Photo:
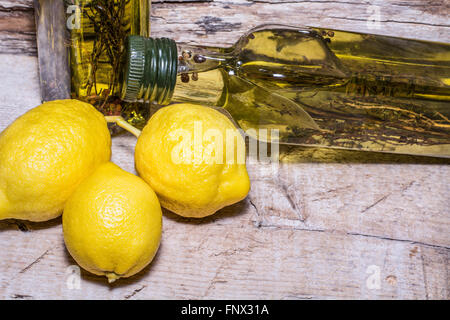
[(97, 31), (318, 87)]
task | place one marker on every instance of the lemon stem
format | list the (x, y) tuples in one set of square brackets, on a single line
[(112, 277), (120, 121)]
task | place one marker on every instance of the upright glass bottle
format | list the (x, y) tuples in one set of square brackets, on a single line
[(318, 87), (98, 29)]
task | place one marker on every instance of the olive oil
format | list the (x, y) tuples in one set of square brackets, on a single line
[(364, 92), (326, 88), (99, 29)]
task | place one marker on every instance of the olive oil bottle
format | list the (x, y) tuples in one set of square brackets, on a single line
[(98, 29), (317, 87)]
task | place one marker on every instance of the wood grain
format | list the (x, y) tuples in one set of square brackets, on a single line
[(54, 70), (226, 20), (320, 224), (229, 258), (17, 27)]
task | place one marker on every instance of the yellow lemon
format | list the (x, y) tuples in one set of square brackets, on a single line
[(45, 154), (194, 159), (112, 223)]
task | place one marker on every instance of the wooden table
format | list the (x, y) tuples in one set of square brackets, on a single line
[(321, 224)]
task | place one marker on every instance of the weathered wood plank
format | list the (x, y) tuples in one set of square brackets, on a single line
[(225, 20), (196, 23), (237, 261), (17, 27), (399, 201), (16, 4), (54, 70), (19, 89)]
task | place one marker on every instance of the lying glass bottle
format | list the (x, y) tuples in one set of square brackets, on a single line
[(318, 87)]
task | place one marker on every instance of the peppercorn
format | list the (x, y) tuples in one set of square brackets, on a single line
[(199, 59), (184, 77)]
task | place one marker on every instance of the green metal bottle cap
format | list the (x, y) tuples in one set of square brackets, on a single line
[(150, 69)]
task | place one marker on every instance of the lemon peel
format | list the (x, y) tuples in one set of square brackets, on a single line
[(112, 223), (197, 179), (45, 154)]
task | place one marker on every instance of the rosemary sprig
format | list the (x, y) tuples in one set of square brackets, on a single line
[(107, 19)]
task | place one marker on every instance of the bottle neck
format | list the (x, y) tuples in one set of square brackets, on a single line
[(150, 69), (151, 66)]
